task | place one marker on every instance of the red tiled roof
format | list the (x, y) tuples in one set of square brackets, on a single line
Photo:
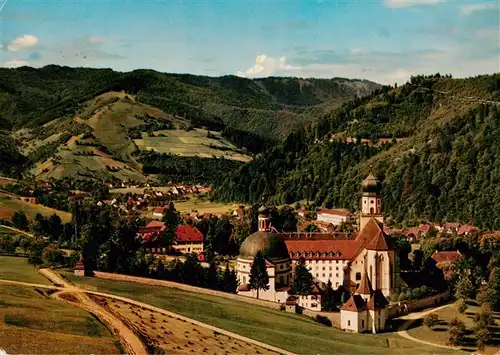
[(424, 227), (440, 256), (159, 210), (355, 304), (157, 224), (467, 229), (341, 249), (283, 289), (378, 243), (451, 225), (187, 233), (243, 287), (336, 249), (336, 212), (365, 287)]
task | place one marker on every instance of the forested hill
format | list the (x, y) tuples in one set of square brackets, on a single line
[(441, 160), (268, 108)]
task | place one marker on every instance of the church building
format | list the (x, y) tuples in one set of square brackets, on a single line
[(278, 262), (344, 260), (355, 262)]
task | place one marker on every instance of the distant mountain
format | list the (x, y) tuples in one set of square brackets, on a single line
[(62, 122), (433, 142), (270, 108)]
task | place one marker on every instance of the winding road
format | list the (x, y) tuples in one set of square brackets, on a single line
[(412, 317)]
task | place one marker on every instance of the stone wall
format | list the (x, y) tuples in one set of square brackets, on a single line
[(189, 288), (334, 317), (406, 307)]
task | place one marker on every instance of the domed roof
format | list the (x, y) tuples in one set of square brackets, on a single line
[(270, 244), (263, 210), (371, 184)]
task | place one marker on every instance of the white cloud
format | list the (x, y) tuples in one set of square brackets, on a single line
[(356, 51), (14, 63), (384, 68), (267, 66), (407, 3), (23, 42), (96, 39), (468, 10)]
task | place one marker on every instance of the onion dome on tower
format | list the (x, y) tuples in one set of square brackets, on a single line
[(371, 184)]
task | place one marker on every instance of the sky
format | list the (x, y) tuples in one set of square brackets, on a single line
[(386, 41)]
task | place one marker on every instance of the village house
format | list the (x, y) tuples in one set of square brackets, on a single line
[(29, 199), (158, 212), (188, 239), (335, 217)]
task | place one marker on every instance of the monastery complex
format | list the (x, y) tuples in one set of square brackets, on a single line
[(363, 263)]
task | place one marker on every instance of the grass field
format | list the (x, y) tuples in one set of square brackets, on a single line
[(190, 143), (18, 269), (204, 206), (31, 323), (9, 205), (438, 334), (176, 336), (289, 331)]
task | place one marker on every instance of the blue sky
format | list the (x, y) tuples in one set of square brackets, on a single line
[(381, 40)]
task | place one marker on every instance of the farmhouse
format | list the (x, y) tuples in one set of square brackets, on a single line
[(335, 217), (188, 239)]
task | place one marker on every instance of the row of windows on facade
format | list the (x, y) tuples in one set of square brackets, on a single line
[(329, 275), (311, 254), (324, 267), (281, 267)]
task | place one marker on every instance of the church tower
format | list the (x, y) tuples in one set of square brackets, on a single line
[(371, 201), (264, 219)]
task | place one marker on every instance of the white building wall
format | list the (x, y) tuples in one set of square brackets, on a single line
[(312, 302), (324, 270), (349, 321), (331, 218)]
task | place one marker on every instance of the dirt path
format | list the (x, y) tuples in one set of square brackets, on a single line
[(412, 317), (77, 297), (17, 230)]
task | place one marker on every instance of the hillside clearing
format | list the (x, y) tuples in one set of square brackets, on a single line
[(204, 206), (288, 331), (17, 269), (439, 333), (10, 205), (190, 143)]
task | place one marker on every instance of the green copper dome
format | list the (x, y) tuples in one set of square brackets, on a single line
[(371, 184), (271, 245)]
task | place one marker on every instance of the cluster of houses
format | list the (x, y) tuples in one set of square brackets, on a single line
[(327, 220)]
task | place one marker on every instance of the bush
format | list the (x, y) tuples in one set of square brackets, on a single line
[(323, 320), (282, 307), (431, 320), (53, 256), (395, 297), (462, 306), (402, 297)]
